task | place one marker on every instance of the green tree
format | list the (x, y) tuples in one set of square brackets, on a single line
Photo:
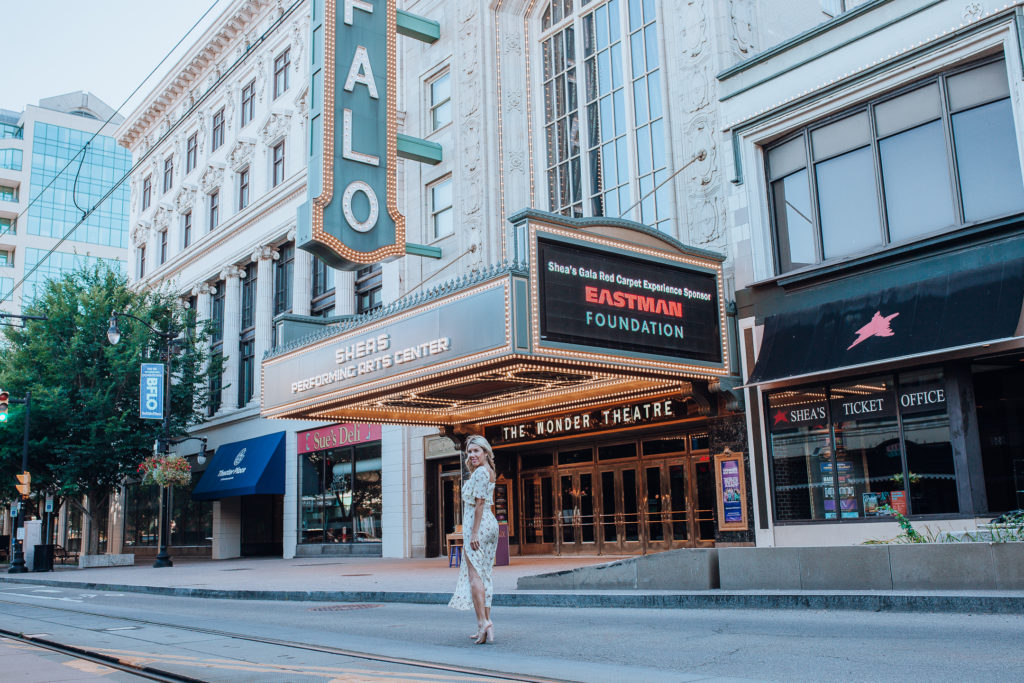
[(86, 435)]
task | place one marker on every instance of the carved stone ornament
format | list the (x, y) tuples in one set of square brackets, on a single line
[(973, 11), (262, 253), (212, 178), (241, 154), (231, 272), (204, 288), (161, 219), (275, 127), (186, 199), (140, 233)]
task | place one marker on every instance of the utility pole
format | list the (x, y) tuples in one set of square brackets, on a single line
[(18, 561)]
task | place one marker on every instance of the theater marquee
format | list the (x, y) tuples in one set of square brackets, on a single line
[(595, 324)]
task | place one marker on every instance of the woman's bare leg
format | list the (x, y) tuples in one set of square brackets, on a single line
[(476, 589)]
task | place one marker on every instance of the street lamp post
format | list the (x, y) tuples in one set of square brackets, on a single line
[(163, 558), (18, 558)]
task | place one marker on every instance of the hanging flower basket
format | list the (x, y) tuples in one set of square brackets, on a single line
[(166, 470)]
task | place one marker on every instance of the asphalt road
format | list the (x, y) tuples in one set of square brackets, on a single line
[(569, 644)]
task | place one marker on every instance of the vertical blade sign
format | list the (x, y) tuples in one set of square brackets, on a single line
[(352, 219)]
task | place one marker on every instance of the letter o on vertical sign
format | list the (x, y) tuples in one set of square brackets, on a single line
[(346, 206)]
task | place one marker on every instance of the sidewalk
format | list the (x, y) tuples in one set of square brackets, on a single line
[(431, 581)]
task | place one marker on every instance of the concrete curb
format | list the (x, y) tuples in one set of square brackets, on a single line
[(874, 602)]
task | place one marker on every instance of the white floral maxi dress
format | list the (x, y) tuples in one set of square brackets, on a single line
[(477, 486)]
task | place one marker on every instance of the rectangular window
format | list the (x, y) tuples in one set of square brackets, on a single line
[(243, 188), (6, 261), (140, 266), (852, 449), (278, 170), (214, 210), (284, 269), (369, 289), (191, 152), (442, 215), (281, 64), (168, 173), (8, 226), (248, 102), (11, 158), (331, 477), (8, 194), (322, 302), (935, 157), (186, 230), (218, 130), (147, 192), (248, 310), (440, 101), (217, 345), (163, 247), (246, 370)]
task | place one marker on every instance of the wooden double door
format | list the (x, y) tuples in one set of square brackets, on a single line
[(623, 508)]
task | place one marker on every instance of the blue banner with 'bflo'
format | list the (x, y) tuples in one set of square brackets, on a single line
[(151, 391)]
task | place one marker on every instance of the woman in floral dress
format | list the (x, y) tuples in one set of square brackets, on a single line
[(474, 589)]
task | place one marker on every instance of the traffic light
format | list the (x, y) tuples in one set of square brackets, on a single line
[(24, 483), (5, 401)]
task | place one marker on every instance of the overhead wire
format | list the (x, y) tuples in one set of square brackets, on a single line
[(173, 127)]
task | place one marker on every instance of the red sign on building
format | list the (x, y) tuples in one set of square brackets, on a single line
[(335, 436)]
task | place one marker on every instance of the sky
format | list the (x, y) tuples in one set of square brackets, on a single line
[(106, 47)]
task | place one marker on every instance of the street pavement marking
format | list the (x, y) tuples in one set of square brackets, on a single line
[(43, 597), (45, 590), (89, 667)]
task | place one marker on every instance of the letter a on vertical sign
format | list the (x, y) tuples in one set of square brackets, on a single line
[(151, 391), (352, 217)]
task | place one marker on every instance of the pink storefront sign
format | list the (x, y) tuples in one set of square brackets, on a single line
[(335, 436)]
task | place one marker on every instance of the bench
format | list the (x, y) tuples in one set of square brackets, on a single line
[(64, 556)]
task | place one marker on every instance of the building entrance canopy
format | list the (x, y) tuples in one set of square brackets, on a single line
[(585, 312)]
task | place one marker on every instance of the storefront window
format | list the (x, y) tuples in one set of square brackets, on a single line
[(868, 467), (341, 495), (141, 515), (801, 455), (855, 449), (930, 468), (191, 520)]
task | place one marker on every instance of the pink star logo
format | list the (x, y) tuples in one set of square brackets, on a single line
[(877, 327)]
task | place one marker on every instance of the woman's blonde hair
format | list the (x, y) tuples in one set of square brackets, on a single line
[(488, 452)]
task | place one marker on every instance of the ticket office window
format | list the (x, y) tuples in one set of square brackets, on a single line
[(341, 495), (854, 450)]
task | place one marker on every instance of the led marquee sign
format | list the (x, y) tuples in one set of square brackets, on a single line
[(352, 217), (600, 298)]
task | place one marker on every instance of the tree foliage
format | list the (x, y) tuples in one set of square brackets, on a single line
[(86, 435)]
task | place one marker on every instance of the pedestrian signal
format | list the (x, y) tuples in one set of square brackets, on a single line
[(24, 483), (5, 401)]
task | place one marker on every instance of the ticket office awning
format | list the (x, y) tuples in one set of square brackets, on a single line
[(514, 342), (957, 310), (244, 468)]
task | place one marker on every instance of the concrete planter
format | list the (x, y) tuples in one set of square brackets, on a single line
[(687, 569), (89, 561), (913, 566)]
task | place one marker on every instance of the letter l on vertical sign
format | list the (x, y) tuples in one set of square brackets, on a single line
[(151, 391), (352, 218)]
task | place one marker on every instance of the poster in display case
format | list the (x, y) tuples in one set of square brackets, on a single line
[(731, 491), (503, 500)]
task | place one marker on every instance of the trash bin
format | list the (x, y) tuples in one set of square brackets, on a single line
[(43, 559)]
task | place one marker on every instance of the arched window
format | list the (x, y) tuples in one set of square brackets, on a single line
[(604, 125)]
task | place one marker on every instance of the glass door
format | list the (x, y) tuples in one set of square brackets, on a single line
[(576, 512), (620, 518), (538, 513)]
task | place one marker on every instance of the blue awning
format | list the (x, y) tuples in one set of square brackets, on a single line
[(244, 468)]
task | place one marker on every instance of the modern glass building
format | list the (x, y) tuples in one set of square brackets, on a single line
[(57, 162)]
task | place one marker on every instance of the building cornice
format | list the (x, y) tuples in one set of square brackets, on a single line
[(186, 74)]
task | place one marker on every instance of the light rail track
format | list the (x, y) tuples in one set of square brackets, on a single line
[(153, 673), (147, 672)]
